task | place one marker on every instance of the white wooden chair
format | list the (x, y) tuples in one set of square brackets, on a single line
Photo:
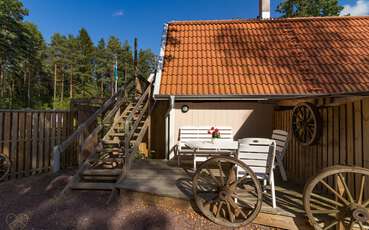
[(281, 138), (193, 133), (259, 155)]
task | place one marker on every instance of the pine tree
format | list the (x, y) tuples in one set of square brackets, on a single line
[(306, 8)]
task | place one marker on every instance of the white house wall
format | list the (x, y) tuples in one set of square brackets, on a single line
[(247, 119)]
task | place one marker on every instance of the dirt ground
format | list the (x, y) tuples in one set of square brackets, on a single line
[(32, 203)]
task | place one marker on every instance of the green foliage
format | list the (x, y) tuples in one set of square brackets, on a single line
[(307, 8), (34, 74)]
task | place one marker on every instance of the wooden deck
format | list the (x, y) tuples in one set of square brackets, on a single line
[(163, 178)]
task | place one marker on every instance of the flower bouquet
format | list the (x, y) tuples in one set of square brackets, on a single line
[(215, 134)]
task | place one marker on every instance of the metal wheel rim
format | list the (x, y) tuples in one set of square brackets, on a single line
[(354, 206), (305, 123), (4, 166), (210, 214)]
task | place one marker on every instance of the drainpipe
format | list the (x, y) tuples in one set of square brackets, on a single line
[(169, 122)]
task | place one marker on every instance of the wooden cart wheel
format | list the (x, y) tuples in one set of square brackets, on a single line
[(223, 198), (330, 203), (4, 166), (306, 123)]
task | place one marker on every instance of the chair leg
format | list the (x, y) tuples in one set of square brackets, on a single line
[(274, 202), (178, 160), (264, 185), (194, 162), (281, 169)]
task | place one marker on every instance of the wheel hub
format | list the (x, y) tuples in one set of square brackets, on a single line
[(224, 194), (361, 214)]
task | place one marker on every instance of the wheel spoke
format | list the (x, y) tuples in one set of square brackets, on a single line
[(361, 226), (351, 226), (237, 208), (221, 173), (231, 215), (213, 177), (219, 208), (334, 223), (346, 188), (366, 204), (327, 199), (325, 211), (361, 193), (335, 192)]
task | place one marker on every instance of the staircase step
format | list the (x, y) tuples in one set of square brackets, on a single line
[(102, 172), (109, 150), (93, 186), (117, 134), (111, 142)]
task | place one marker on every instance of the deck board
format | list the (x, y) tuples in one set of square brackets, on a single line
[(157, 177)]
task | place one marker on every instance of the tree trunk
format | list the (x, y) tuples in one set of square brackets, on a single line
[(102, 88), (62, 88), (55, 70), (29, 90), (71, 85), (2, 82)]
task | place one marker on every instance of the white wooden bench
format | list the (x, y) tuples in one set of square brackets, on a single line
[(192, 133)]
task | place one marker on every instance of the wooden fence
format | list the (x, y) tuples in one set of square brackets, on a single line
[(344, 140), (28, 137)]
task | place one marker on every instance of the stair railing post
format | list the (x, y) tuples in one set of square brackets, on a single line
[(126, 138)]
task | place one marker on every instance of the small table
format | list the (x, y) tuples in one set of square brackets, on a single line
[(224, 146)]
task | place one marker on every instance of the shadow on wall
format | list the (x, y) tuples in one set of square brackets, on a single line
[(258, 123)]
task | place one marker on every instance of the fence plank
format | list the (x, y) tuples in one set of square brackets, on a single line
[(40, 152), (28, 149), (350, 140), (358, 158), (48, 148), (366, 138), (21, 143), (1, 132), (343, 140), (14, 143), (34, 141)]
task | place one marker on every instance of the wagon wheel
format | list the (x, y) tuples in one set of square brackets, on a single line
[(223, 198), (306, 123), (4, 166), (329, 202)]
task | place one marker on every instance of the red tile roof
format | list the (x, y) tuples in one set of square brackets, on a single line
[(301, 56)]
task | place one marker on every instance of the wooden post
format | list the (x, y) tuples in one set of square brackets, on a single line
[(149, 120)]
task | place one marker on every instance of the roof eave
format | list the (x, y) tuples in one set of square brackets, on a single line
[(254, 97)]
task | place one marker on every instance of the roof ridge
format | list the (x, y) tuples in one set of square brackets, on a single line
[(245, 20)]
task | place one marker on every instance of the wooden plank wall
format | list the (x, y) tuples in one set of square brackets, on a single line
[(344, 140), (28, 137)]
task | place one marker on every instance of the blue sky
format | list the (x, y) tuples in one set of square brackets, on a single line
[(141, 18)]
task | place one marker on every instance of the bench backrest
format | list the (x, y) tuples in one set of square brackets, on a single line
[(191, 133)]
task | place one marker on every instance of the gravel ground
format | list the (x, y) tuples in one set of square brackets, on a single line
[(32, 203)]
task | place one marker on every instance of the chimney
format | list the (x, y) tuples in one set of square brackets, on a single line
[(264, 9)]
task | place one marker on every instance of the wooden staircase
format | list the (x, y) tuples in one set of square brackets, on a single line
[(122, 130)]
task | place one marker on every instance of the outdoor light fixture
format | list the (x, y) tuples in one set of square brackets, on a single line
[(185, 108)]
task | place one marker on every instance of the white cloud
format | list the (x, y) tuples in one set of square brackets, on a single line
[(360, 8), (118, 13)]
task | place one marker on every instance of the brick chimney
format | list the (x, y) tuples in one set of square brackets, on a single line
[(264, 9)]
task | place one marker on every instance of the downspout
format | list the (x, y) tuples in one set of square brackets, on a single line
[(168, 127)]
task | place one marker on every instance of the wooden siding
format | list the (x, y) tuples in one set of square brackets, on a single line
[(28, 138), (344, 140)]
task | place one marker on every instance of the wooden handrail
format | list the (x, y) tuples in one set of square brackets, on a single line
[(59, 149), (128, 131)]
